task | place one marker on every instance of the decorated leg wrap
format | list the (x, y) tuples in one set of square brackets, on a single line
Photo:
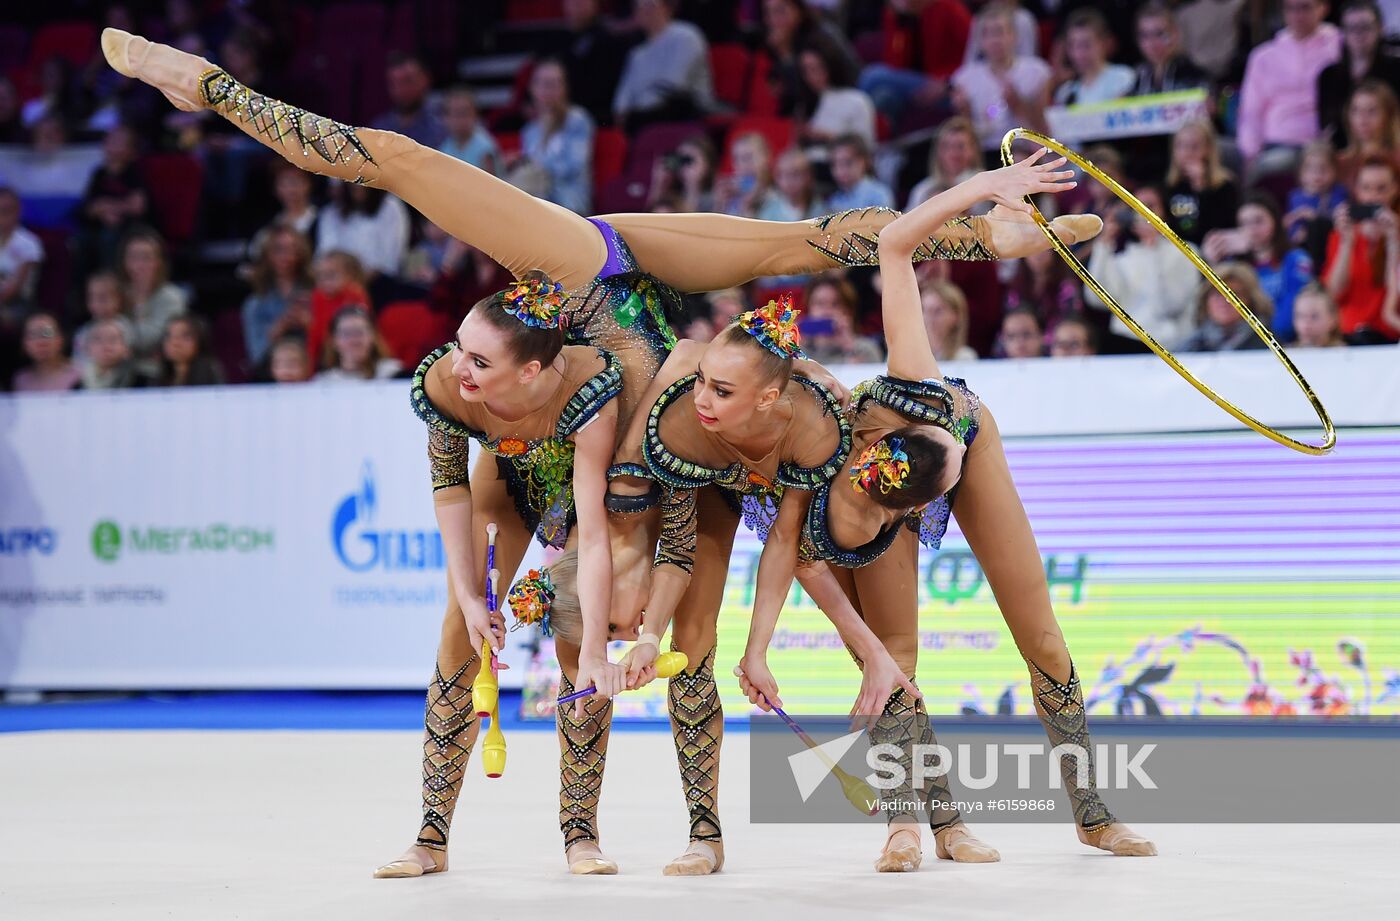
[(853, 238), (583, 749), (697, 723), (1061, 709), (451, 728), (312, 142), (904, 724)]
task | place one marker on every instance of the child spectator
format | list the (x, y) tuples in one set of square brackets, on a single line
[(1164, 68), (855, 187), (106, 300), (340, 283), (954, 157), (1219, 326), (354, 351), (281, 279), (1201, 194), (1073, 337), (109, 365), (829, 325), (154, 301), (1316, 319), (945, 319), (1003, 89), (794, 181), (1363, 257), (1260, 241), (185, 360), (1317, 194), (1086, 46), (287, 361), (749, 191), (1021, 335), (21, 254), (49, 369), (369, 223), (467, 138)]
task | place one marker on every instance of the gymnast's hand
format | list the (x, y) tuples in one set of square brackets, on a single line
[(596, 671), (482, 626), (879, 679), (1009, 185), (757, 683), (640, 663)]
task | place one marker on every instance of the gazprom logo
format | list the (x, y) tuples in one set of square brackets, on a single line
[(362, 547)]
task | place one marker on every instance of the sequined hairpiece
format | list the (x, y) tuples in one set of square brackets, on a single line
[(535, 302), (775, 327), (531, 599), (885, 465)]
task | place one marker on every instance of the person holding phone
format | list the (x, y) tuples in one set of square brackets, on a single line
[(829, 326), (1260, 239), (1363, 256)]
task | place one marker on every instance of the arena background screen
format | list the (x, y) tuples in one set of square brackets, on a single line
[(1194, 575)]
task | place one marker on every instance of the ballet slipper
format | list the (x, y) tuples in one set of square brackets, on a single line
[(904, 858), (954, 842), (1014, 234), (585, 859), (700, 859), (1118, 839), (416, 861), (174, 72)]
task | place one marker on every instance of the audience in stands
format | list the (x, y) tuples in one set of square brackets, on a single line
[(355, 351), (850, 171), (339, 283), (1219, 327), (945, 319), (687, 176), (559, 139), (795, 183), (287, 362), (1316, 319), (464, 136), (154, 300), (828, 325), (1364, 59), (593, 57), (1317, 193), (293, 190), (954, 157), (21, 255), (1202, 194), (109, 365), (185, 360), (924, 42), (1212, 32), (667, 77), (1165, 68), (1001, 89), (1044, 284), (281, 282), (829, 107), (749, 191), (116, 199), (1362, 270), (1073, 337), (1261, 241), (1021, 334), (789, 28), (49, 368), (368, 223), (105, 299), (412, 115), (1094, 79), (1373, 129)]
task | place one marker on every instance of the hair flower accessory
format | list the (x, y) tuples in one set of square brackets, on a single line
[(775, 327), (531, 599), (883, 465), (535, 302)]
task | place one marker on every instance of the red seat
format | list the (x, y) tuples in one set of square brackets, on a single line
[(776, 131), (730, 65), (534, 10), (609, 156), (75, 42), (509, 142), (411, 330), (654, 142), (174, 181), (763, 98)]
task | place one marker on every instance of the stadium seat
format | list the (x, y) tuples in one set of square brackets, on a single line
[(763, 98), (411, 330), (776, 131), (730, 65), (609, 156), (174, 180), (534, 10), (75, 42)]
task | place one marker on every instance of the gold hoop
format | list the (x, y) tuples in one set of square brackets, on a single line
[(1329, 431)]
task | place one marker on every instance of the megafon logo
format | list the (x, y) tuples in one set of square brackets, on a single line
[(362, 547), (108, 540), (22, 541)]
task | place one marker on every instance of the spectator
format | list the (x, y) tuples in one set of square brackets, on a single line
[(1027, 31), (855, 187), (1201, 194), (1150, 278), (1316, 320), (1212, 32), (287, 361), (21, 254), (1087, 41), (1164, 68), (424, 263), (1219, 326), (593, 58), (829, 325), (1363, 257), (115, 200), (559, 139), (1373, 129), (465, 137), (59, 95), (945, 319), (145, 273), (667, 76), (411, 115), (1363, 60), (340, 283), (1318, 192), (953, 158), (106, 300), (1096, 197), (11, 127), (49, 369), (1044, 284), (831, 106), (355, 350), (793, 178), (1278, 100), (790, 26), (1004, 89), (725, 306), (281, 283), (749, 192), (1021, 335), (924, 42), (109, 365), (367, 222), (185, 360), (292, 187), (229, 156), (688, 176), (1073, 337), (1260, 240)]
